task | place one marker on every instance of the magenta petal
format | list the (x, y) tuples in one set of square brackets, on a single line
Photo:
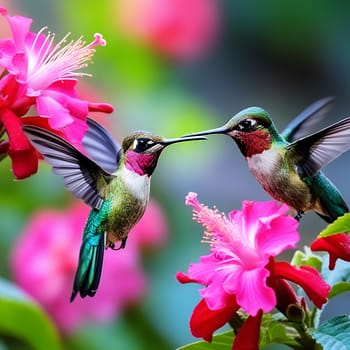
[(253, 212), (214, 294), (20, 28), (59, 116), (7, 51), (75, 132), (253, 293), (281, 234), (202, 272), (77, 107)]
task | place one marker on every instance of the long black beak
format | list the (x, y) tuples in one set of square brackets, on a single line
[(221, 130), (167, 142)]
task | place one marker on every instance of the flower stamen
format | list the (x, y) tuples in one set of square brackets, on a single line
[(48, 63)]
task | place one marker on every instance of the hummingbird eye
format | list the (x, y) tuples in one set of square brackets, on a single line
[(142, 144), (247, 125)]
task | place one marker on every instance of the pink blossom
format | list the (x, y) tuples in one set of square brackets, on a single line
[(44, 262), (241, 246), (38, 73), (241, 271), (47, 71), (179, 29)]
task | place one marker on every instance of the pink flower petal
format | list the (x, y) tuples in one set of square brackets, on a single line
[(204, 271), (20, 28), (7, 52), (75, 132), (57, 114), (253, 293), (282, 234), (215, 294), (62, 93)]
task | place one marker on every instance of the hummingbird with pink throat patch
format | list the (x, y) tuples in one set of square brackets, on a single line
[(114, 181)]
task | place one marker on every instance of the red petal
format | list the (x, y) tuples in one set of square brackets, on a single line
[(184, 278), (13, 125), (24, 157), (42, 123), (24, 163), (248, 336), (306, 277), (100, 107), (338, 247), (205, 322), (285, 294)]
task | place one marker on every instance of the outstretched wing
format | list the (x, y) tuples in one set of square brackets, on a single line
[(319, 149), (307, 120), (101, 147), (82, 176)]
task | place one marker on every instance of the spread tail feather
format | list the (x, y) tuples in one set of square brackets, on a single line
[(87, 277)]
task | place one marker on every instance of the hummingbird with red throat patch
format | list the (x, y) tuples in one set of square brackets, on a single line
[(114, 181), (288, 165)]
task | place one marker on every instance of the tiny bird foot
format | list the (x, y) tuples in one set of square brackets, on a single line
[(299, 215), (122, 244)]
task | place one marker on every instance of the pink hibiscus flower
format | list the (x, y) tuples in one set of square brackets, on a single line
[(241, 272), (39, 73), (44, 261)]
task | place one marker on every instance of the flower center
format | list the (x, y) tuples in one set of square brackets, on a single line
[(48, 63)]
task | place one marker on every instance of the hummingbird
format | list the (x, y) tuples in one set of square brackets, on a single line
[(288, 165), (113, 180)]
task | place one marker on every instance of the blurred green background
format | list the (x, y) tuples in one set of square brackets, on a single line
[(280, 55)]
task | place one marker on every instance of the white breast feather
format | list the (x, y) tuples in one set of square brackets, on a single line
[(263, 164), (138, 185)]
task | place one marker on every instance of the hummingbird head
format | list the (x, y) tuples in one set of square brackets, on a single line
[(252, 129), (142, 150)]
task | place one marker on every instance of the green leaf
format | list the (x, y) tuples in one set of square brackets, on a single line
[(339, 288), (275, 330), (221, 341), (24, 320), (334, 334), (308, 258), (340, 225)]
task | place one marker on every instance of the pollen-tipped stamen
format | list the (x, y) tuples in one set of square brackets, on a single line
[(49, 63)]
